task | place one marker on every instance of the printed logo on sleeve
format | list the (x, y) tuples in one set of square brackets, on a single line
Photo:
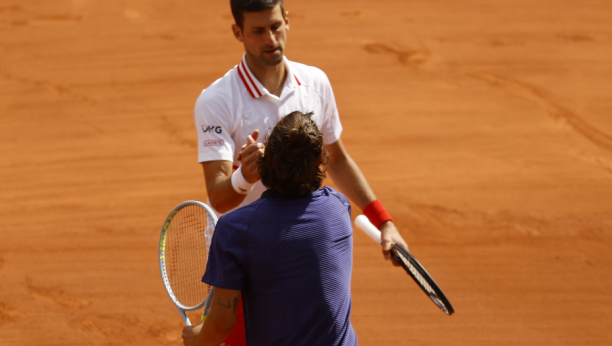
[(214, 143), (212, 128)]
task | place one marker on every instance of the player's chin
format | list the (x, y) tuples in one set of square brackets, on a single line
[(272, 57)]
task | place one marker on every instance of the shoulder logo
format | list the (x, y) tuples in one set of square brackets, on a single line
[(212, 128)]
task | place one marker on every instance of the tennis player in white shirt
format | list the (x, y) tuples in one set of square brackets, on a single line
[(239, 108), (231, 114)]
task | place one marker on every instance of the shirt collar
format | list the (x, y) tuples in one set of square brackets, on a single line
[(293, 78), (251, 83), (255, 88), (269, 193)]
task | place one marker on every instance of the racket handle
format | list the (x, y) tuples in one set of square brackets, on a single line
[(184, 316), (365, 225), (207, 304)]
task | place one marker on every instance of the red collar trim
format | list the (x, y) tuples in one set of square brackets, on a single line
[(245, 83), (248, 82), (248, 74), (291, 71)]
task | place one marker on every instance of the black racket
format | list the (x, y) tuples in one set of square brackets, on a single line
[(411, 265)]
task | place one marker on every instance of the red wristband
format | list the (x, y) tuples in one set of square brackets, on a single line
[(376, 213)]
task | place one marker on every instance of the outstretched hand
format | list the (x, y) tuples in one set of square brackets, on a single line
[(389, 236), (249, 155)]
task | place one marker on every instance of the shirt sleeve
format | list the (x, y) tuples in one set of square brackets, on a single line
[(332, 128), (213, 123), (227, 257)]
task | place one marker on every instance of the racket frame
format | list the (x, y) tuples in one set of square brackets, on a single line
[(419, 274), (162, 257), (398, 252)]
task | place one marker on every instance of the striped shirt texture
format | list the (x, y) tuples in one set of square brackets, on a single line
[(292, 259)]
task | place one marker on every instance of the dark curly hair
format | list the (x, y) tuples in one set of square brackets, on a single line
[(294, 157)]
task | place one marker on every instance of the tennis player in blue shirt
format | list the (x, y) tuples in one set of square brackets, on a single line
[(289, 254)]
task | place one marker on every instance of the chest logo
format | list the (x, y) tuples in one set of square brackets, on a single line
[(212, 128)]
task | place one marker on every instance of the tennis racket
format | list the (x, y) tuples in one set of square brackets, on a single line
[(411, 265), (183, 252)]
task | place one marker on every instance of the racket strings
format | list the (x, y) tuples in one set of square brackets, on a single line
[(420, 279), (208, 232), (187, 253), (416, 274)]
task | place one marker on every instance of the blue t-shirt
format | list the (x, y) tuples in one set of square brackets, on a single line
[(292, 259)]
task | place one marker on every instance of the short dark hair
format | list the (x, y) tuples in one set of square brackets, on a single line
[(294, 157), (241, 6)]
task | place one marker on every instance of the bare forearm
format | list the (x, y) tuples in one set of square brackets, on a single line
[(213, 332), (219, 323), (218, 176), (223, 197), (348, 177)]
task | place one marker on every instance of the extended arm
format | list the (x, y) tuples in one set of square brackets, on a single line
[(349, 179), (219, 322)]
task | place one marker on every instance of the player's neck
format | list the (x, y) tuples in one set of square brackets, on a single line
[(272, 77)]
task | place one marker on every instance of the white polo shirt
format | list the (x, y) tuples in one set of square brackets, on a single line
[(237, 104)]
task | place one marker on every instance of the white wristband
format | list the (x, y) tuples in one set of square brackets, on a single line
[(240, 184)]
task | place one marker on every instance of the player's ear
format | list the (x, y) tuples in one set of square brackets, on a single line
[(287, 19), (237, 31)]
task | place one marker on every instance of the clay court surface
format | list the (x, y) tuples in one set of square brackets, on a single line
[(484, 126)]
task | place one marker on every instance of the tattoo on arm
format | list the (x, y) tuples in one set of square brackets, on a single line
[(220, 303), (229, 305)]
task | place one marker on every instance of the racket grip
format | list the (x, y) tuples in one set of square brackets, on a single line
[(184, 316), (365, 225)]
